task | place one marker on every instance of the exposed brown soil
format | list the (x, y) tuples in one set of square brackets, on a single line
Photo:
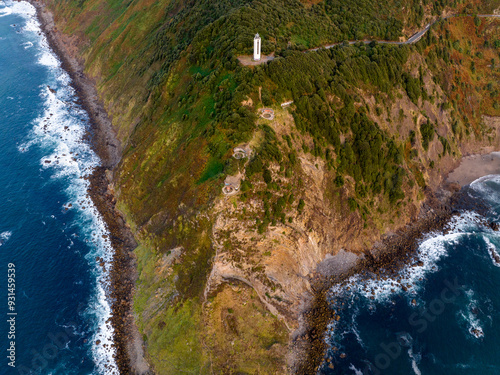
[(127, 341)]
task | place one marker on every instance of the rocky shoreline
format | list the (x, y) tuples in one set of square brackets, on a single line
[(127, 340), (391, 254), (129, 355)]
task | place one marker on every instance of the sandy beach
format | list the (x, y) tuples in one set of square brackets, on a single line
[(473, 167)]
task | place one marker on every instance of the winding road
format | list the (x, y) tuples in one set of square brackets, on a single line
[(411, 40), (245, 60)]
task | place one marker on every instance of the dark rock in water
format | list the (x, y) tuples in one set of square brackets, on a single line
[(384, 261), (476, 332), (495, 256)]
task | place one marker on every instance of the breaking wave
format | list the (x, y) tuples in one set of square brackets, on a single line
[(59, 132)]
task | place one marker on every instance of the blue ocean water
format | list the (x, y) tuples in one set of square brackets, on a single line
[(440, 315), (50, 232)]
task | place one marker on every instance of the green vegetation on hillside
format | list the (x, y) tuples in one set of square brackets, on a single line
[(369, 155), (169, 76)]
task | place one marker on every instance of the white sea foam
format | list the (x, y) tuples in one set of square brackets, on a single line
[(480, 186), (4, 237), (354, 328), (22, 8), (430, 251), (488, 188), (378, 290), (5, 12), (356, 371), (432, 248), (470, 316), (492, 252), (49, 60), (59, 132), (414, 364), (464, 365)]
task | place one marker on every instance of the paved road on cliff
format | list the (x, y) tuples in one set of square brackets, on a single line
[(413, 39)]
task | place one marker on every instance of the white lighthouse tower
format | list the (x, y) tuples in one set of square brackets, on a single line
[(256, 48)]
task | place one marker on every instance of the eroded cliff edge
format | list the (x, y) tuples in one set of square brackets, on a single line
[(223, 280)]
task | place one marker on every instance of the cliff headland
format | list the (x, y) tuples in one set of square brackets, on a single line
[(235, 283)]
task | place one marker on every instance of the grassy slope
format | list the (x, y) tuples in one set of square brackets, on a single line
[(168, 75)]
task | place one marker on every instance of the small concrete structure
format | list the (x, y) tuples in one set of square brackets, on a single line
[(248, 60), (229, 190), (239, 153), (232, 185), (267, 113), (242, 152), (286, 104), (256, 47)]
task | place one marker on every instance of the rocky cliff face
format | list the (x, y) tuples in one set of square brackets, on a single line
[(223, 279)]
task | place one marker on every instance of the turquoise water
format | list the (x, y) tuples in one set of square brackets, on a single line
[(50, 232), (446, 320)]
